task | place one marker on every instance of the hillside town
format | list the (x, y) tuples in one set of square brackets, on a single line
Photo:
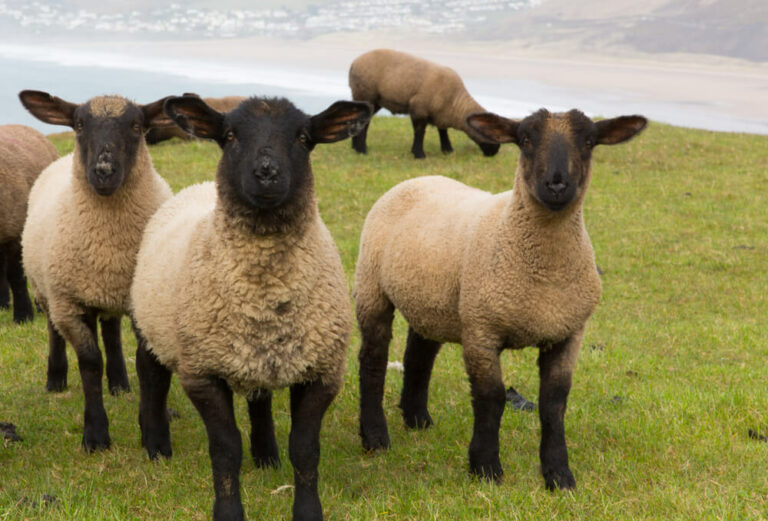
[(178, 21)]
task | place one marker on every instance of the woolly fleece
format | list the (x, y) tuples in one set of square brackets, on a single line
[(260, 311)]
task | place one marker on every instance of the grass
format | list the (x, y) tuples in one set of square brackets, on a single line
[(678, 221)]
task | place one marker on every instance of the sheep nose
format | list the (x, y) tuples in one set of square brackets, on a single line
[(266, 170), (104, 165), (557, 185)]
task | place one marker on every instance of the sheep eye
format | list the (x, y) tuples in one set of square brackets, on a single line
[(589, 143), (136, 127), (526, 141), (230, 136), (303, 138), (79, 125)]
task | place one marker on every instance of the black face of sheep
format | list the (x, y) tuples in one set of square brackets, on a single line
[(556, 149), (266, 142), (108, 131)]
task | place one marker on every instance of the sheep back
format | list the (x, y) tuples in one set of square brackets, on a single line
[(406, 84), (24, 153), (79, 248), (260, 312), (448, 258)]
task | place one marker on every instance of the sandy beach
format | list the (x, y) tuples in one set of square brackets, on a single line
[(689, 90)]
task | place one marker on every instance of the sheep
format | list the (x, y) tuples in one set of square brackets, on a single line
[(87, 212), (24, 153), (165, 129), (490, 272), (239, 286), (430, 93)]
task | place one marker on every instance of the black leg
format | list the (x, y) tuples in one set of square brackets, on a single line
[(419, 128), (213, 399), (22, 306), (5, 294), (419, 358), (376, 332), (555, 371), (57, 360), (488, 399), (96, 428), (308, 405), (359, 141), (154, 382), (117, 375), (263, 444), (445, 142)]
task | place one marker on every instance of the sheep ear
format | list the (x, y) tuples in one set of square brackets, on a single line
[(195, 116), (154, 115), (47, 108), (341, 120), (494, 128), (618, 130)]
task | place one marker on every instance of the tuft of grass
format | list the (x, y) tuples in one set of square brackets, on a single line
[(678, 221)]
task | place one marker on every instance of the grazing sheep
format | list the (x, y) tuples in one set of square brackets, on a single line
[(87, 213), (239, 286), (490, 272), (430, 93), (165, 129), (24, 153)]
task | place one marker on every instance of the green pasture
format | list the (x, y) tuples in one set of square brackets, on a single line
[(672, 375)]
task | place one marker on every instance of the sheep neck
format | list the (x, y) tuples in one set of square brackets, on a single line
[(545, 242), (463, 106)]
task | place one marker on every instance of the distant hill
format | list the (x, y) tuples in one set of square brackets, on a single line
[(735, 28)]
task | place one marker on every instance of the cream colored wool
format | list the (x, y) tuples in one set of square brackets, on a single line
[(24, 153), (79, 248), (467, 266), (261, 312), (405, 84)]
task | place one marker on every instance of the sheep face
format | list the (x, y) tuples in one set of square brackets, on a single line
[(556, 149), (108, 131), (266, 144)]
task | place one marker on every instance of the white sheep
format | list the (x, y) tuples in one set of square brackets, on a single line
[(86, 216), (428, 92), (490, 272), (24, 153), (239, 286)]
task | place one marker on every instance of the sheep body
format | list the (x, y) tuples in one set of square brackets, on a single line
[(24, 153), (454, 260), (428, 92), (260, 312)]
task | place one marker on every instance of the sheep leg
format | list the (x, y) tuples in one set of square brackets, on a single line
[(213, 399), (419, 358), (488, 398), (117, 375), (22, 305), (376, 333), (154, 382), (263, 443), (5, 294), (359, 140), (57, 360), (309, 401), (419, 128), (445, 142), (555, 371)]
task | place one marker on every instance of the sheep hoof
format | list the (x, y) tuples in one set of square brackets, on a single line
[(23, 315), (375, 439), (489, 471), (56, 385), (119, 387), (94, 441), (228, 509), (421, 155), (266, 461), (518, 402), (417, 420), (559, 479)]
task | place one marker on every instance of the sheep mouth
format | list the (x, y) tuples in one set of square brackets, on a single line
[(105, 186)]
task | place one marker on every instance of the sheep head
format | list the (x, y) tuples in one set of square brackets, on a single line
[(108, 132), (556, 149), (266, 143)]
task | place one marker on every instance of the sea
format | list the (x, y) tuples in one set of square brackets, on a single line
[(76, 75)]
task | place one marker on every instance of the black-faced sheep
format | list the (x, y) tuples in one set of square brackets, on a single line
[(24, 153), (165, 129), (239, 286), (490, 272), (430, 93), (87, 213)]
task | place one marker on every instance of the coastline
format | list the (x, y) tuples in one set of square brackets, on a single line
[(700, 91)]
